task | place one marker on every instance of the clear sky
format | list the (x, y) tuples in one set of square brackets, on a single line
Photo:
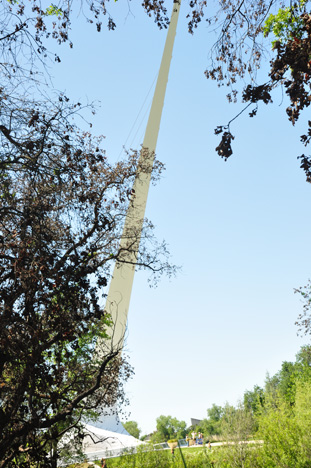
[(240, 229)]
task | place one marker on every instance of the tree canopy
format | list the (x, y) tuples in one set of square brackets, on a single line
[(242, 46), (168, 428), (132, 428), (62, 210), (246, 31)]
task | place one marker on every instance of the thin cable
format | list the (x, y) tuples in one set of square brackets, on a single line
[(141, 122), (140, 110)]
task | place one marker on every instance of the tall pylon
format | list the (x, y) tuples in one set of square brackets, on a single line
[(119, 294), (118, 299)]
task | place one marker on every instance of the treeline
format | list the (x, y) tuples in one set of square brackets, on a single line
[(269, 428), (283, 386), (279, 415)]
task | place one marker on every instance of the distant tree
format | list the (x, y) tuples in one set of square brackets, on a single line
[(215, 413), (132, 428), (285, 380), (237, 426), (304, 319), (253, 400), (286, 376), (212, 424), (169, 428), (303, 360)]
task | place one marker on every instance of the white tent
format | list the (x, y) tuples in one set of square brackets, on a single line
[(102, 443), (105, 440)]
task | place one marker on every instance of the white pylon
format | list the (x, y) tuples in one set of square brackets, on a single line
[(118, 299)]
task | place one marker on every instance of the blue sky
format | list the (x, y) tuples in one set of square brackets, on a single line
[(240, 229)]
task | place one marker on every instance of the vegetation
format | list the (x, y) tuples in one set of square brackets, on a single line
[(280, 431), (132, 428), (62, 207), (212, 424), (168, 428), (270, 427), (240, 48), (148, 457), (246, 29)]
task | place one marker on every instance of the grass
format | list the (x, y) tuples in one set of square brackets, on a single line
[(162, 458), (195, 457)]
